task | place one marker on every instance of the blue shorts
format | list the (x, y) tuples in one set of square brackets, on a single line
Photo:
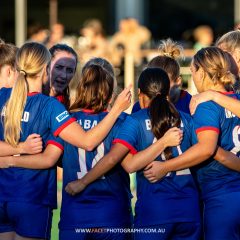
[(95, 233), (26, 219), (222, 217), (173, 231)]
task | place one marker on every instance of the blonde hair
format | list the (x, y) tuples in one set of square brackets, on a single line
[(230, 41), (169, 48), (216, 64), (169, 51), (30, 61)]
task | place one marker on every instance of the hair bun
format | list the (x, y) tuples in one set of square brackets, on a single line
[(171, 49)]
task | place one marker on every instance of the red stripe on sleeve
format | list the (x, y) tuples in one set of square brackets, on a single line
[(126, 144), (71, 120), (55, 144), (207, 128)]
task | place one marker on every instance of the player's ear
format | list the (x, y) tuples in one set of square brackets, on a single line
[(201, 73), (138, 91), (179, 81)]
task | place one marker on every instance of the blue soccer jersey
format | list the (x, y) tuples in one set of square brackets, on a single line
[(42, 115), (107, 201), (182, 104), (175, 197), (212, 176)]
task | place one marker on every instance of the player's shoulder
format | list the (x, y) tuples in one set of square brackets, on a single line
[(185, 116), (123, 116), (5, 91), (50, 101), (209, 105), (142, 113)]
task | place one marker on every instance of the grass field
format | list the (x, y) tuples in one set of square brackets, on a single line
[(54, 233), (56, 214)]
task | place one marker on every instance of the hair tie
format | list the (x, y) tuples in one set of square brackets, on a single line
[(23, 72), (166, 54)]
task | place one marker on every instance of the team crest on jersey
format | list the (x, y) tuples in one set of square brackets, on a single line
[(62, 116)]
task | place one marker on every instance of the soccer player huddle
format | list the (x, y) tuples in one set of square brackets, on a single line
[(183, 149)]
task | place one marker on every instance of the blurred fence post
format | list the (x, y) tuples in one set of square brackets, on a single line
[(236, 11), (129, 74), (53, 12), (20, 22), (191, 87)]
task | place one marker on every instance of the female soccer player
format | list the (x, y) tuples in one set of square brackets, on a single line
[(60, 71), (25, 110), (169, 52), (105, 204), (214, 126), (170, 207)]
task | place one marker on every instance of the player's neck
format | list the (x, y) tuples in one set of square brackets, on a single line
[(218, 88), (34, 85)]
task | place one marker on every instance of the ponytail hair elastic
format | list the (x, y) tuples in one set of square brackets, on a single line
[(23, 72), (166, 54)]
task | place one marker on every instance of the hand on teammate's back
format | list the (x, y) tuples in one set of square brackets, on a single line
[(75, 187), (32, 145)]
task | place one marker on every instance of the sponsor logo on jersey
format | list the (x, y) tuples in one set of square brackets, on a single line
[(62, 116)]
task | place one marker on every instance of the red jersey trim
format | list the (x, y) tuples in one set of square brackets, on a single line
[(183, 94), (226, 93), (33, 93), (55, 144), (91, 111), (126, 144), (60, 98), (207, 128), (71, 120)]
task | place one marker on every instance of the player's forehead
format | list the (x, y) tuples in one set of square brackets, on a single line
[(64, 59)]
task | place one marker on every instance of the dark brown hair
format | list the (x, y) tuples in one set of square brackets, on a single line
[(155, 84)]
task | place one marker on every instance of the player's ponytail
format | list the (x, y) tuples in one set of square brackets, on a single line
[(31, 61), (154, 83), (95, 87), (216, 65)]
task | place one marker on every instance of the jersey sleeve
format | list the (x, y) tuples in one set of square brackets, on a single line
[(207, 117), (59, 118), (56, 141), (128, 134)]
